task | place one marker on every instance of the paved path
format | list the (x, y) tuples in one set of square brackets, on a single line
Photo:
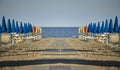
[(61, 55), (59, 49), (56, 53)]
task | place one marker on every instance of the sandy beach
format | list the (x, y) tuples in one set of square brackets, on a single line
[(60, 52)]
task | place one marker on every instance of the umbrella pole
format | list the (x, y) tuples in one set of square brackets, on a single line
[(0, 39), (13, 40), (107, 39), (119, 39)]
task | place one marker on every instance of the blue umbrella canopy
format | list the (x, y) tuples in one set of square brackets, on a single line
[(4, 29), (102, 27), (90, 29), (25, 28), (94, 28), (98, 28), (9, 26), (30, 28), (21, 28), (106, 26), (119, 29), (17, 27), (116, 26), (111, 26), (13, 26), (0, 29)]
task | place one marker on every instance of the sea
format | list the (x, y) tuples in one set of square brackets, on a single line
[(59, 32)]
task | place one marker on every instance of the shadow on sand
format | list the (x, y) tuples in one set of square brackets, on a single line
[(66, 61), (58, 50)]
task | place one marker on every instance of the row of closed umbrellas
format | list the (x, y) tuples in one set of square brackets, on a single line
[(14, 27), (108, 27)]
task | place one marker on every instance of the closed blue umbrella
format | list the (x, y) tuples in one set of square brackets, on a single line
[(106, 26), (98, 28), (116, 25), (94, 28), (17, 27), (9, 26), (21, 28), (119, 29), (0, 34), (102, 27), (13, 26), (0, 29), (25, 28), (4, 29), (119, 34), (91, 27), (111, 26), (30, 28)]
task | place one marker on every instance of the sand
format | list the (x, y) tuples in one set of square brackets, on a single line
[(53, 51)]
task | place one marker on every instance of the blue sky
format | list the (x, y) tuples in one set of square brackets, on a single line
[(60, 13)]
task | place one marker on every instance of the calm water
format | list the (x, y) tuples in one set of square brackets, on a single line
[(59, 31)]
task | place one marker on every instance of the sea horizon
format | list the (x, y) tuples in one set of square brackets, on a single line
[(60, 32)]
